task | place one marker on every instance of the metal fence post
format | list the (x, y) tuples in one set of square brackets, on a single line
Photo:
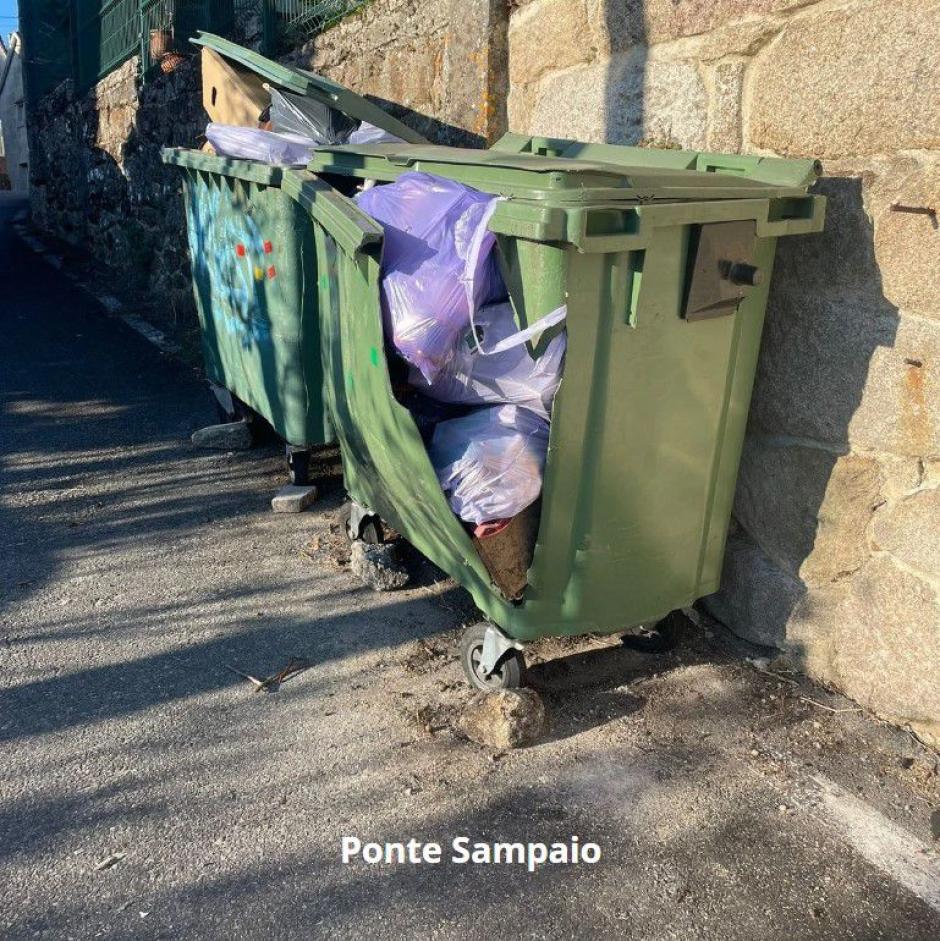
[(269, 36), (144, 64), (73, 45)]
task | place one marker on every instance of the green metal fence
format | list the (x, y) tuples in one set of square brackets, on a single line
[(88, 39), (109, 32), (47, 51), (167, 25), (288, 23), (105, 34)]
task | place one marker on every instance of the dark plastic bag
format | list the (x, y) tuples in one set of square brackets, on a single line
[(297, 114)]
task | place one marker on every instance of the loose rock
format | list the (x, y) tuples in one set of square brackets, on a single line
[(232, 436), (112, 859), (506, 718), (293, 499), (377, 566)]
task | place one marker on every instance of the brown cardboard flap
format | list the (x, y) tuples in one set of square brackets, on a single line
[(231, 94), (508, 555)]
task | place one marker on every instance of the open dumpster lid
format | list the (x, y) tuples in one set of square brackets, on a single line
[(301, 82), (540, 176)]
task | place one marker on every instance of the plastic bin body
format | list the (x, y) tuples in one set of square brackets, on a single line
[(254, 263), (649, 422)]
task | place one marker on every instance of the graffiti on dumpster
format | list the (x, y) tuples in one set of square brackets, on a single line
[(227, 249)]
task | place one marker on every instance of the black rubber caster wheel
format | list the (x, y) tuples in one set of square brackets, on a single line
[(509, 672), (261, 431), (224, 415), (662, 637), (298, 466), (370, 528)]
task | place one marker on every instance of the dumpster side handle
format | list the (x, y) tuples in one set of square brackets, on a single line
[(608, 229), (351, 227), (618, 229), (801, 215)]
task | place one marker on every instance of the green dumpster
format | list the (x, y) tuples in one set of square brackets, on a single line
[(254, 265), (663, 259), (664, 263)]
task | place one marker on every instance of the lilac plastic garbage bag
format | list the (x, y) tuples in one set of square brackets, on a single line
[(490, 462), (512, 376), (437, 260)]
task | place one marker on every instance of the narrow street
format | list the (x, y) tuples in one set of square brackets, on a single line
[(146, 789)]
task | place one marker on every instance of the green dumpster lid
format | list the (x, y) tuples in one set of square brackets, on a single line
[(535, 176), (778, 171), (302, 82)]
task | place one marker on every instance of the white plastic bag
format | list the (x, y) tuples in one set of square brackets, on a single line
[(498, 368), (437, 263), (490, 462), (368, 133), (251, 143)]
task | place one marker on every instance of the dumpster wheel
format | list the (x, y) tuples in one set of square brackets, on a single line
[(231, 409), (509, 672)]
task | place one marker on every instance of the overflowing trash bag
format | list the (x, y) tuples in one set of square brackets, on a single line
[(446, 313), (438, 264), (492, 365), (283, 147), (368, 133), (307, 117), (252, 143), (321, 124), (490, 462)]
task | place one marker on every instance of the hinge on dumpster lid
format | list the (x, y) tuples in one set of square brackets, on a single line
[(721, 268)]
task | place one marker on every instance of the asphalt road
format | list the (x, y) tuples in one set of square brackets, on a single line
[(147, 791)]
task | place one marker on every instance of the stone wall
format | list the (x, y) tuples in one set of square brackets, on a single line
[(439, 65), (836, 551), (97, 180)]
